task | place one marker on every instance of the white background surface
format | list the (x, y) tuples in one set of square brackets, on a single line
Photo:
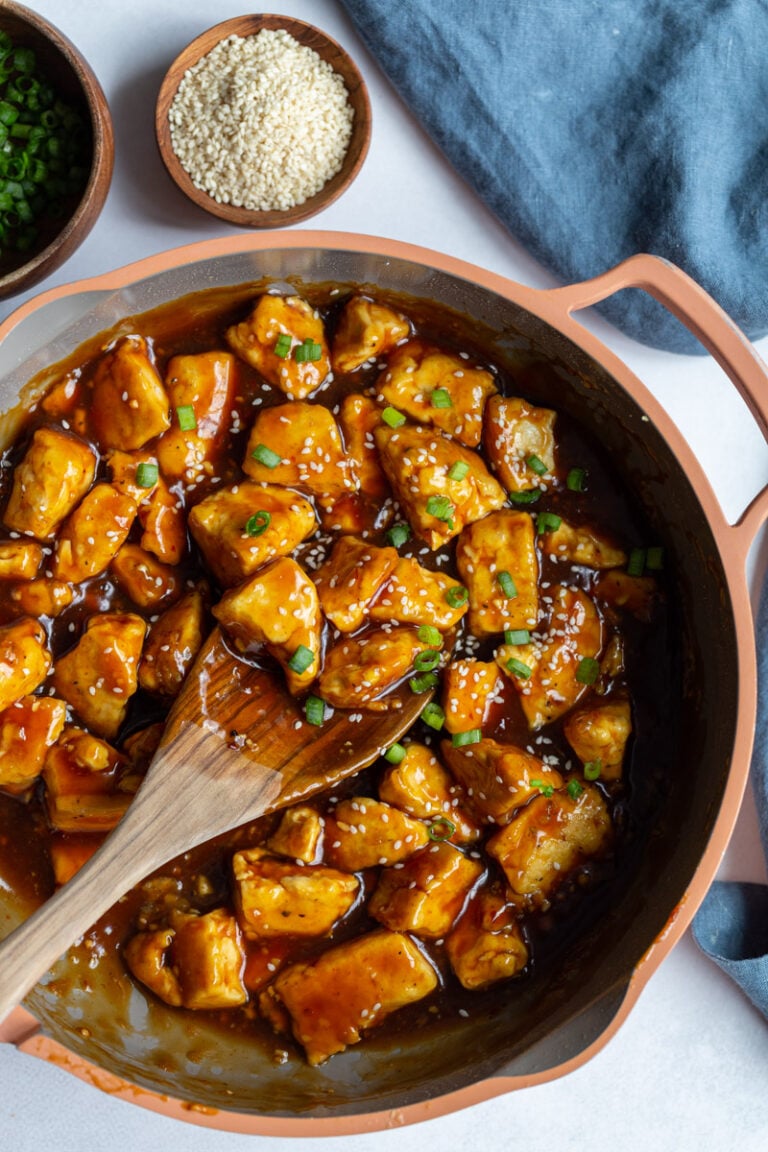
[(689, 1070)]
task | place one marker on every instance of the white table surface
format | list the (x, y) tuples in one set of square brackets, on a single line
[(689, 1069)]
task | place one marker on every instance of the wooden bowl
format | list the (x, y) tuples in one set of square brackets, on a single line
[(72, 78), (328, 50)]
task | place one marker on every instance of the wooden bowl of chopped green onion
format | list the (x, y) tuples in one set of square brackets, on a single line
[(263, 121), (56, 148)]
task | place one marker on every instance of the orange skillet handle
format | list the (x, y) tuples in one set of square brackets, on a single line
[(686, 300)]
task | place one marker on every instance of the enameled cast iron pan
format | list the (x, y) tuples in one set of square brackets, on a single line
[(144, 1052)]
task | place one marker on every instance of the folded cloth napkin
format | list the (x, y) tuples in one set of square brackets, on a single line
[(599, 129)]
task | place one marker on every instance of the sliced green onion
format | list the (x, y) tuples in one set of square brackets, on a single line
[(518, 668), (636, 562), (517, 636), (398, 534), (430, 635), (427, 660), (302, 658), (185, 414), (471, 736), (423, 683), (547, 522), (654, 559), (592, 769), (395, 754), (543, 787), (282, 345), (440, 507), (433, 715), (440, 829), (314, 710), (458, 470), (266, 456), (440, 398), (574, 789), (146, 474), (587, 671), (258, 523), (537, 465), (392, 417), (576, 480), (308, 350), (527, 496), (456, 596), (507, 584)]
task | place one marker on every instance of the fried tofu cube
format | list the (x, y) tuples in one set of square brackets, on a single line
[(299, 834), (42, 597), (514, 431), (502, 542), (550, 837), (470, 689), (256, 337), (555, 662), (634, 594), (172, 645), (599, 733), (358, 417), (333, 1000), (416, 595), (417, 462), (208, 959), (221, 525), (437, 387), (366, 329), (582, 545), (82, 783), (147, 955), (278, 607), (487, 944), (205, 383), (360, 669), (24, 660), (143, 578), (362, 833), (19, 559), (129, 404), (70, 852), (93, 534), (28, 728), (56, 472), (164, 524), (263, 960), (350, 579), (281, 898), (427, 893), (420, 785), (498, 778), (100, 674), (308, 441), (125, 471)]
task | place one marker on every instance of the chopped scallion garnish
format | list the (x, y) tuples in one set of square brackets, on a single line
[(547, 522), (395, 754), (392, 417), (654, 559), (428, 634), (314, 710), (636, 562), (146, 474), (471, 736), (441, 508), (258, 523), (576, 480), (440, 398), (266, 456), (427, 660), (536, 464), (458, 470), (433, 715), (507, 584), (574, 789), (527, 496), (517, 636), (456, 596), (423, 683), (399, 534), (282, 345), (440, 829), (308, 350), (518, 668), (587, 670), (543, 787), (592, 769), (185, 414), (301, 660)]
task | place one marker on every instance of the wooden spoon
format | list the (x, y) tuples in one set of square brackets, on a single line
[(236, 746)]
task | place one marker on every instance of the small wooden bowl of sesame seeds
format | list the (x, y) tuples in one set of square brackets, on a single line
[(263, 121)]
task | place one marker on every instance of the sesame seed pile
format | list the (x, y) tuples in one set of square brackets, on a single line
[(261, 122)]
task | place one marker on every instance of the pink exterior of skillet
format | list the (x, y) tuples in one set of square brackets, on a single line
[(739, 360)]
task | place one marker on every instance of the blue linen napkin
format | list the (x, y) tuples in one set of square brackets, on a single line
[(601, 128)]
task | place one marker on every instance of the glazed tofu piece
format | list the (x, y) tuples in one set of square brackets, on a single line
[(56, 472), (69, 852), (599, 733), (172, 645), (201, 392), (307, 440), (415, 595), (142, 577), (360, 669), (634, 594), (582, 545), (332, 1001), (135, 474), (350, 579), (20, 559), (425, 895), (437, 387), (42, 597), (496, 558), (366, 329), (278, 607), (242, 527), (164, 524), (28, 728), (549, 838), (281, 898), (498, 778), (93, 534), (100, 674), (515, 432), (470, 689), (487, 944), (147, 955), (420, 785), (82, 777), (129, 405), (358, 417), (24, 660), (551, 672), (257, 340), (299, 834), (417, 461), (363, 833)]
